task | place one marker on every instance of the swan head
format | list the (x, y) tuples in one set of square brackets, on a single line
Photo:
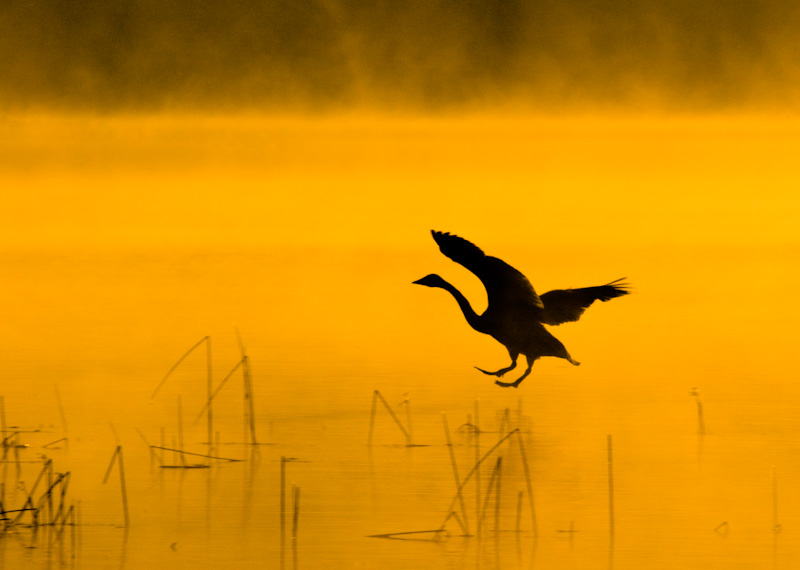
[(431, 280)]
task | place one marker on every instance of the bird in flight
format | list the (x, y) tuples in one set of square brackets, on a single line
[(516, 315)]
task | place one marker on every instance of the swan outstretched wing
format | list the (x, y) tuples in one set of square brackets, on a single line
[(567, 305), (507, 289)]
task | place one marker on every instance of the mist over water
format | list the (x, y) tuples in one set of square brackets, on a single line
[(410, 55)]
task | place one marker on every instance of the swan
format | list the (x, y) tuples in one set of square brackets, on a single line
[(516, 315)]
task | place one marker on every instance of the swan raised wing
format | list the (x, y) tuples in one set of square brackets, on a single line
[(507, 289)]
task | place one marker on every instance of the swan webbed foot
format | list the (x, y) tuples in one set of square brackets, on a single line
[(498, 373), (508, 384)]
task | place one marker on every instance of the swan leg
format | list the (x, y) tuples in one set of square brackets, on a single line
[(516, 382), (502, 371)]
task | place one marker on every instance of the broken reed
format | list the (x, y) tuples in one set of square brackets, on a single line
[(376, 395), (43, 509), (117, 458), (295, 513), (451, 513), (210, 415), (493, 485), (249, 407)]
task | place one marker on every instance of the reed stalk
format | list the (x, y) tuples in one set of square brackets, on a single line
[(62, 414), (16, 456), (205, 407), (407, 403), (175, 366), (163, 442), (117, 458), (372, 417), (248, 391), (489, 487), (49, 495), (528, 481), (210, 403), (29, 499), (283, 511), (394, 417), (178, 451), (505, 424), (247, 373), (52, 443), (123, 487), (455, 475), (3, 425), (392, 535), (472, 471)]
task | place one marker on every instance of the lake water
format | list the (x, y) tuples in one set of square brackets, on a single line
[(122, 252)]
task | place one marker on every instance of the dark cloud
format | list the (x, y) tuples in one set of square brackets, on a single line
[(322, 54)]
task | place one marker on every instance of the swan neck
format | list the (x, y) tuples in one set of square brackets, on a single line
[(472, 317)]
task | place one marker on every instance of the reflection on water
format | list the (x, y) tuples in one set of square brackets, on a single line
[(689, 491), (686, 403)]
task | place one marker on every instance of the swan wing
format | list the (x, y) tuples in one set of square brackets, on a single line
[(507, 289), (567, 305)]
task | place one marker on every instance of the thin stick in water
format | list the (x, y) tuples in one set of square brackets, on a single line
[(63, 415), (248, 390), (178, 451), (216, 392), (210, 403), (407, 403), (394, 417), (283, 511), (247, 372), (372, 417)]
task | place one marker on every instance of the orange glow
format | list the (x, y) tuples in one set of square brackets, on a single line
[(126, 239)]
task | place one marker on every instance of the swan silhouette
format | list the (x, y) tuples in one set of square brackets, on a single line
[(516, 314)]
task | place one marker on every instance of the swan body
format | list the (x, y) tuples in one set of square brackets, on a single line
[(516, 315)]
